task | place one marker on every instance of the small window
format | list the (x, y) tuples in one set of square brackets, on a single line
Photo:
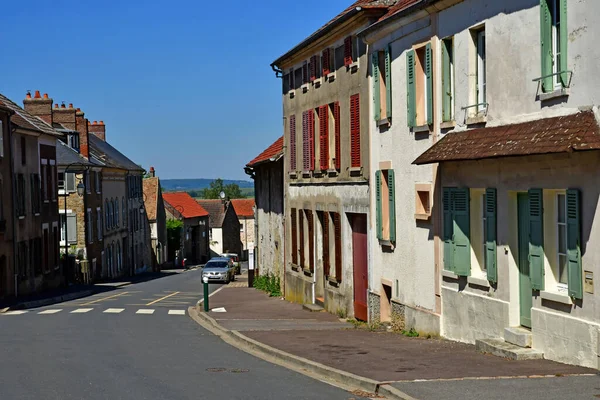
[(292, 80), (481, 74), (423, 201), (297, 78), (339, 57)]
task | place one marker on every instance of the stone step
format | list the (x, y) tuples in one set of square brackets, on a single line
[(313, 307), (320, 301), (500, 348), (517, 335)]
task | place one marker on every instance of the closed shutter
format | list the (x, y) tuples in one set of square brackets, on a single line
[(294, 237), (301, 227), (305, 142), (392, 200), (490, 234), (338, 151), (348, 51), (311, 139), (411, 89), (72, 228), (313, 68), (378, 205), (293, 143), (388, 81), (564, 40), (325, 62), (376, 88), (325, 225), (462, 245), (355, 130), (448, 230), (324, 136), (429, 86), (311, 240), (574, 244), (536, 239), (546, 45), (337, 222)]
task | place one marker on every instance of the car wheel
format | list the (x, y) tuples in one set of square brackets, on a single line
[(233, 277), (227, 281)]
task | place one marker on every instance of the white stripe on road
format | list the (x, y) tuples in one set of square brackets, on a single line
[(16, 312), (49, 311), (114, 310), (145, 311), (81, 310), (176, 312)]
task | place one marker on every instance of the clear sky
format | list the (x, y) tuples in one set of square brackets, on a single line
[(182, 85)]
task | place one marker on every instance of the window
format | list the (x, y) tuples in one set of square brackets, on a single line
[(339, 57), (325, 245), (327, 62), (22, 260), (99, 223), (315, 68), (298, 79), (305, 72), (70, 182), (561, 229), (97, 181), (73, 141), (385, 205), (89, 225), (337, 231), (554, 39), (308, 139), (52, 170), (23, 150), (117, 215), (20, 195), (420, 86), (354, 132), (2, 206), (381, 66), (456, 231), (35, 193), (44, 184), (124, 211), (55, 246), (241, 228), (107, 215), (61, 181), (292, 80), (70, 229), (423, 201), (35, 245), (294, 216), (311, 240), (481, 75), (292, 143), (448, 79)]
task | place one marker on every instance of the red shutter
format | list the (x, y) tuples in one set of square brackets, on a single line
[(326, 261), (292, 142), (305, 142), (348, 51), (337, 226), (313, 68), (325, 62), (311, 240), (355, 130), (338, 152), (301, 226), (294, 237), (324, 136), (311, 139), (304, 73)]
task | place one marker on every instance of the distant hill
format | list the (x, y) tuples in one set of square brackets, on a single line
[(184, 185)]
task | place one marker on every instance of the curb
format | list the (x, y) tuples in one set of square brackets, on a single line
[(51, 300), (304, 366)]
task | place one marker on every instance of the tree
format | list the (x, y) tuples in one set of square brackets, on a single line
[(174, 227), (232, 191)]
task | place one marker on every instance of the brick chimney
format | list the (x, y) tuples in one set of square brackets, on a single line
[(65, 116), (81, 124), (39, 106), (152, 172), (98, 129)]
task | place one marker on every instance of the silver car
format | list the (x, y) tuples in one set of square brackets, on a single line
[(219, 269)]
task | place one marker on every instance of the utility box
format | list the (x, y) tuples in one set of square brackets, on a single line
[(588, 281)]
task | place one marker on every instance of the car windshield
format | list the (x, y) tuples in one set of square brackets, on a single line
[(217, 264)]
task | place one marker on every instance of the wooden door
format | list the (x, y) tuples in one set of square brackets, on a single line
[(360, 267)]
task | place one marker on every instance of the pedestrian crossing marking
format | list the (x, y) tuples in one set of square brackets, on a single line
[(81, 310), (49, 311), (16, 312), (176, 312), (114, 310), (145, 311), (142, 311)]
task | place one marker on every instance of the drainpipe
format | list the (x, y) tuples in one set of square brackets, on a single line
[(12, 130), (278, 72)]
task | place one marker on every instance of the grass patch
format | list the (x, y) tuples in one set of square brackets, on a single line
[(410, 333), (268, 283)]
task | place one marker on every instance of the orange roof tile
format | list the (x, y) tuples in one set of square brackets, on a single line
[(185, 204), (243, 207), (273, 151)]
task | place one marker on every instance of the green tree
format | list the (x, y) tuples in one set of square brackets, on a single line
[(174, 227), (232, 191)]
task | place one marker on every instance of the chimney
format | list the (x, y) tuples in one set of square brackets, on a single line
[(39, 106), (65, 116), (98, 129), (152, 172), (81, 125)]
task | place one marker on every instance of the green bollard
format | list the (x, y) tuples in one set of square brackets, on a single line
[(205, 280)]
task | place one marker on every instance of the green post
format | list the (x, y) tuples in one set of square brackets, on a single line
[(205, 280)]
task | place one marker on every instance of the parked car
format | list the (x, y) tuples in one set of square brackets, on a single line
[(236, 261), (219, 269)]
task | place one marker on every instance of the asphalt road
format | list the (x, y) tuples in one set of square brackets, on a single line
[(136, 342)]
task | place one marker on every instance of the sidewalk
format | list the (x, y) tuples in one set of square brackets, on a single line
[(278, 328)]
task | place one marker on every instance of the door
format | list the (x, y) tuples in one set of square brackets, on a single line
[(359, 260), (525, 290)]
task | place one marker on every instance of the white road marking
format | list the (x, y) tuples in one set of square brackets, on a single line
[(49, 311), (176, 312), (145, 311), (114, 310), (220, 309), (81, 310), (16, 312)]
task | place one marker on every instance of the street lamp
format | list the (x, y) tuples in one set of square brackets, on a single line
[(80, 189)]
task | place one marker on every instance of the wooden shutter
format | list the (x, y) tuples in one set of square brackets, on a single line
[(324, 137), (338, 151), (429, 86), (313, 68), (355, 130), (546, 45), (388, 81), (448, 230), (292, 142), (376, 88), (392, 200), (462, 245), (304, 73), (326, 259), (311, 240), (536, 239), (348, 51), (490, 234), (294, 227), (574, 244), (305, 142), (326, 62), (411, 89), (378, 205), (301, 245), (446, 81), (564, 40), (311, 139), (337, 223)]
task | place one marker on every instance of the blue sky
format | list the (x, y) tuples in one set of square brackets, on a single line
[(184, 86)]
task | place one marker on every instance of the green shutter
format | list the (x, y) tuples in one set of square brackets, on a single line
[(462, 245), (446, 81), (376, 95), (573, 244), (536, 238), (490, 234), (448, 229), (392, 200), (411, 89), (388, 81), (564, 40), (429, 88), (546, 45), (378, 204)]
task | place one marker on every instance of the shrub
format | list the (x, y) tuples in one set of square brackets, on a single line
[(268, 283)]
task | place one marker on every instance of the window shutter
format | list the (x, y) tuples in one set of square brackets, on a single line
[(376, 88), (573, 244), (311, 240), (337, 222), (70, 181), (392, 201), (338, 151), (305, 142), (311, 139), (294, 237), (325, 62), (301, 226), (388, 81), (71, 228), (378, 204), (564, 40), (304, 73), (490, 227), (326, 260), (446, 81), (324, 136), (348, 51), (313, 68), (536, 239), (462, 245), (546, 45), (355, 130), (293, 142), (411, 88), (429, 88), (448, 230)]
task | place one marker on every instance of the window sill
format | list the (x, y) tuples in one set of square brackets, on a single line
[(292, 174), (295, 267), (422, 217), (562, 92), (556, 297), (37, 214), (333, 281), (355, 171), (306, 174), (46, 201), (332, 172), (448, 125), (21, 217), (477, 119), (307, 271), (330, 77), (420, 128), (318, 82), (449, 274), (304, 88), (478, 281), (386, 243), (353, 67), (385, 122)]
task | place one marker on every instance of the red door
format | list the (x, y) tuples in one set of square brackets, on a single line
[(359, 257)]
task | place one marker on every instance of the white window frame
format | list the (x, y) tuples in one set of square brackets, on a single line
[(559, 284), (555, 13), (481, 67)]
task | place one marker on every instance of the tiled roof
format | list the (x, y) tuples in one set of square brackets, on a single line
[(216, 211), (151, 186), (400, 5), (273, 151), (185, 204), (69, 157), (576, 132), (109, 156), (24, 120), (243, 207)]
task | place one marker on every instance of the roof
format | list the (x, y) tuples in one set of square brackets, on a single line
[(24, 120), (575, 132), (109, 156), (243, 207), (272, 153), (151, 186), (216, 211), (65, 155), (184, 204)]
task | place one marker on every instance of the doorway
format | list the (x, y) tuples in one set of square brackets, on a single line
[(360, 267), (525, 289)]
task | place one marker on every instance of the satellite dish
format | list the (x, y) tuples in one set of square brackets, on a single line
[(222, 195)]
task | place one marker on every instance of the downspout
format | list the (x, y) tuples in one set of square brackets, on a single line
[(12, 130), (278, 72)]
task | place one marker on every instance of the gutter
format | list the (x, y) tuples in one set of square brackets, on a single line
[(418, 6)]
